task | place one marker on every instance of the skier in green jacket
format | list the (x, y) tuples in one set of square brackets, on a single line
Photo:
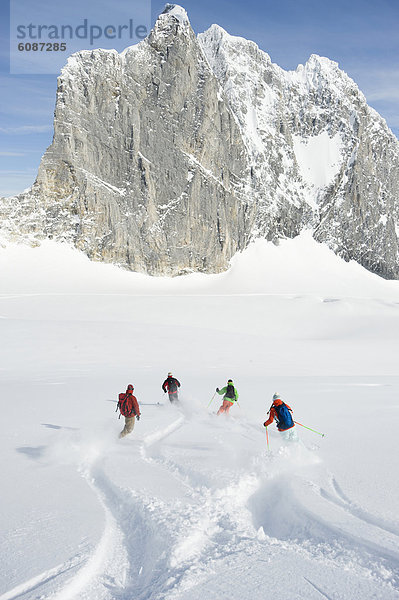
[(230, 395)]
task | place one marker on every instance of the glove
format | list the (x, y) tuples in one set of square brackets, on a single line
[(138, 417), (164, 391), (217, 389)]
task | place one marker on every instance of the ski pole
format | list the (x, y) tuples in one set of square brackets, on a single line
[(210, 402), (314, 431), (267, 439)]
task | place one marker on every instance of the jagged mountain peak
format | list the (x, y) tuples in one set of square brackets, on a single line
[(172, 20), (319, 71), (176, 11), (322, 63), (218, 32), (171, 26), (215, 39)]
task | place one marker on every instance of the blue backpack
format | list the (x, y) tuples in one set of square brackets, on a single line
[(284, 417)]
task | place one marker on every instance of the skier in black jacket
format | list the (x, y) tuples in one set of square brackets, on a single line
[(170, 385)]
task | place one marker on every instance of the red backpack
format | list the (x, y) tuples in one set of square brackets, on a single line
[(125, 405)]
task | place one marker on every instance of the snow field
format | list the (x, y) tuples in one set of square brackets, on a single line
[(189, 505), (319, 158)]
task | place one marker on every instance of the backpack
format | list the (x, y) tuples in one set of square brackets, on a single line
[(172, 385), (284, 417), (230, 392), (125, 405)]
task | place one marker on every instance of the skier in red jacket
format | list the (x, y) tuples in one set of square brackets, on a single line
[(129, 408)]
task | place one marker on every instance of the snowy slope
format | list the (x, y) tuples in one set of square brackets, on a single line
[(193, 506), (319, 159)]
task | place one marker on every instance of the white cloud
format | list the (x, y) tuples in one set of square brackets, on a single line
[(13, 182), (388, 93), (26, 129), (378, 83), (12, 153)]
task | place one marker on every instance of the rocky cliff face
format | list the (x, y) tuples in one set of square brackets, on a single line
[(173, 155), (147, 167)]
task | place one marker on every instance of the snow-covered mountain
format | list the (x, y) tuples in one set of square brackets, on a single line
[(175, 154), (313, 139)]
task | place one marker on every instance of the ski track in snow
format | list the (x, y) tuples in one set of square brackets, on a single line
[(37, 582), (344, 502), (153, 550), (314, 529), (127, 540), (317, 588)]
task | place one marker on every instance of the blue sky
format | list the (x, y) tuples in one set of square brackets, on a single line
[(361, 35)]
